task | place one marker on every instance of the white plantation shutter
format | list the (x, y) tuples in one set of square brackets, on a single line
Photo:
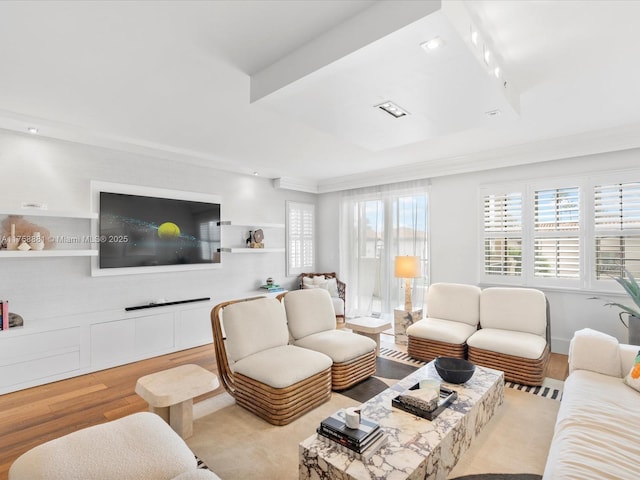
[(617, 229), (556, 244), (503, 234), (300, 238)]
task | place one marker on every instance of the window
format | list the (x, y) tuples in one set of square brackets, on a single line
[(503, 234), (300, 238), (564, 233), (376, 226), (617, 229), (557, 233)]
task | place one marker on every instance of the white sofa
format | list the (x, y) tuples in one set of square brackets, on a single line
[(597, 431), (140, 446)]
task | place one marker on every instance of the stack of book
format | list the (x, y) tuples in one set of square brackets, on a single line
[(362, 442), (4, 315), (272, 288)]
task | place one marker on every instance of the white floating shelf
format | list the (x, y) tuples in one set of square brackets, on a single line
[(34, 212), (229, 223), (48, 253), (252, 250)]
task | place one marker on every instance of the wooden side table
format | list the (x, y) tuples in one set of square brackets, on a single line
[(369, 327), (170, 394)]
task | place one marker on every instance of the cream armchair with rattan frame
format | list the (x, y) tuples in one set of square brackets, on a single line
[(257, 366), (514, 333), (453, 315), (312, 325)]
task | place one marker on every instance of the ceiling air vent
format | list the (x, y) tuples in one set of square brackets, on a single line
[(392, 109)]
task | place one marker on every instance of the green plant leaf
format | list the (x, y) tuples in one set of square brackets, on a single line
[(629, 310)]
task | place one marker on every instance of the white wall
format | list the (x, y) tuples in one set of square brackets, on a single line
[(36, 169), (455, 209)]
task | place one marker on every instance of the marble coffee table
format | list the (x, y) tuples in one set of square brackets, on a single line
[(416, 448)]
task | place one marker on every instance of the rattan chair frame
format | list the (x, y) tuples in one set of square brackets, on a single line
[(278, 406), (426, 350)]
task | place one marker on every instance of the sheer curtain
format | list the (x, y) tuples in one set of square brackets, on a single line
[(376, 225)]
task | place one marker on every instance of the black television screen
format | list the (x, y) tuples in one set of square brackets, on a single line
[(144, 231)]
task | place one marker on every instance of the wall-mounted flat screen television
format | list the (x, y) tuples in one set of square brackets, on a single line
[(140, 231)]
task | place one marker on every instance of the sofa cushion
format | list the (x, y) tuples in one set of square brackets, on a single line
[(441, 330), (596, 433), (507, 342), (633, 377), (281, 367), (341, 346), (596, 351), (517, 309), (251, 327), (452, 301), (309, 312), (137, 447)]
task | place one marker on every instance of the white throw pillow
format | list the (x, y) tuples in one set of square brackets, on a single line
[(332, 286), (307, 282), (633, 377)]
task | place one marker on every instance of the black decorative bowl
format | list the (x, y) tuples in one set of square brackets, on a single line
[(454, 370)]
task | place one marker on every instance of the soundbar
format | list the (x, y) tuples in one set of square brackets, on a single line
[(165, 304)]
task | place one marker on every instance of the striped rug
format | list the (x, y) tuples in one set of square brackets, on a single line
[(553, 392)]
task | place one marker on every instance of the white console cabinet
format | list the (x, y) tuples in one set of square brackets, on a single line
[(47, 350)]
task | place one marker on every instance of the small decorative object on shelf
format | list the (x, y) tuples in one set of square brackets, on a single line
[(269, 281), (250, 238), (4, 315), (23, 235), (36, 241), (258, 237)]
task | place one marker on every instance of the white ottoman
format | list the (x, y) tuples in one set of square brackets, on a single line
[(137, 447)]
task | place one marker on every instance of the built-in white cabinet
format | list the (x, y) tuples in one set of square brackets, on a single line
[(47, 350), (32, 356), (235, 235), (69, 231)]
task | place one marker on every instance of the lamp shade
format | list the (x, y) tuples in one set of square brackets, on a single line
[(407, 267)]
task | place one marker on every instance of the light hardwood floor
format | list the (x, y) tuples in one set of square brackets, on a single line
[(33, 416)]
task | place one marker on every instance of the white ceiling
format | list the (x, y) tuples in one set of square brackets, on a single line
[(259, 85)]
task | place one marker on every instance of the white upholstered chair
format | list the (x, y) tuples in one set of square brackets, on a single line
[(452, 316), (257, 366), (140, 446), (514, 333), (312, 325)]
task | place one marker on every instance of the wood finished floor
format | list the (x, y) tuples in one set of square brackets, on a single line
[(36, 415)]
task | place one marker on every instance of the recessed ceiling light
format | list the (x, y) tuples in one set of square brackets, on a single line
[(255, 173), (487, 55), (497, 72), (474, 36), (33, 130), (493, 113), (433, 44), (392, 109)]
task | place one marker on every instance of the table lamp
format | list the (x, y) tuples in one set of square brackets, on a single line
[(407, 267)]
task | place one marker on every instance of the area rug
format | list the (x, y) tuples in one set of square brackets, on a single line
[(236, 444), (500, 476), (386, 370), (550, 388)]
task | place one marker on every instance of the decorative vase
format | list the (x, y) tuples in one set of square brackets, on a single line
[(634, 330), (13, 241), (37, 242)]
